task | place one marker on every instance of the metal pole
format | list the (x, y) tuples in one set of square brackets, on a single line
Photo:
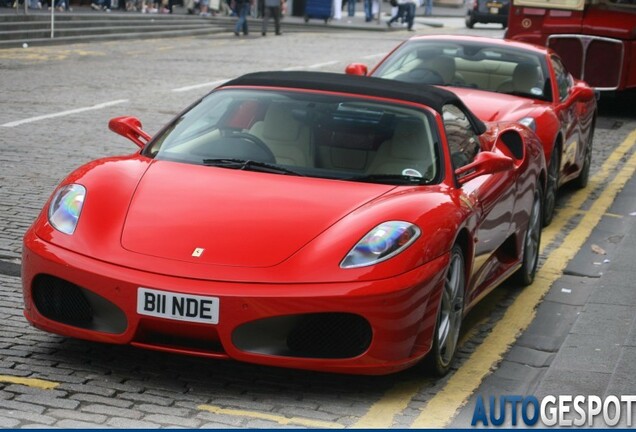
[(53, 18)]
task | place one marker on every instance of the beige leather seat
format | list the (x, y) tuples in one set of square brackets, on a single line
[(445, 67), (525, 77), (408, 152), (289, 139)]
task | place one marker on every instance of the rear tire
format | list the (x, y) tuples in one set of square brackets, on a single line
[(449, 316), (549, 203), (531, 241), (581, 181), (470, 21)]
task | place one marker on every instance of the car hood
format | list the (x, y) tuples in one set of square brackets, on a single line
[(490, 106), (220, 216)]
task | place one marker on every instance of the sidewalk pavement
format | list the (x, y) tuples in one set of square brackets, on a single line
[(84, 24), (356, 21), (438, 10), (582, 340)]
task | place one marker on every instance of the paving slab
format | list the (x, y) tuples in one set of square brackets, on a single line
[(550, 326)]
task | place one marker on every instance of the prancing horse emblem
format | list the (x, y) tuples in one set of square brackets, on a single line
[(198, 252)]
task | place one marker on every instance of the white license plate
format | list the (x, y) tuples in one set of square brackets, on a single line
[(494, 10), (180, 307)]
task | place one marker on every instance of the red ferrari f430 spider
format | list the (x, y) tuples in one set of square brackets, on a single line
[(512, 81), (305, 220)]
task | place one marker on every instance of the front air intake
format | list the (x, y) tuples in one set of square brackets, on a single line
[(61, 301), (64, 302), (329, 335)]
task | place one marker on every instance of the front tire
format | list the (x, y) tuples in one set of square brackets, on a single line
[(449, 316), (531, 242)]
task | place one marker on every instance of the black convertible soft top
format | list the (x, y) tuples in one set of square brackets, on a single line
[(431, 96)]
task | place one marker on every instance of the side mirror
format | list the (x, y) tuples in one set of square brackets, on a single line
[(484, 163), (129, 127), (583, 92), (357, 69)]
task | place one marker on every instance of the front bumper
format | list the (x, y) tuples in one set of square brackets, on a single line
[(362, 327)]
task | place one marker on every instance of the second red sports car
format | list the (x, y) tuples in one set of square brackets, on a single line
[(506, 80), (304, 220)]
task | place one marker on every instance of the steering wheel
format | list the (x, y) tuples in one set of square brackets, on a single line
[(266, 153), (424, 76)]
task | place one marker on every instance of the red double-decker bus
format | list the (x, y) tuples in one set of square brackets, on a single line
[(596, 39)]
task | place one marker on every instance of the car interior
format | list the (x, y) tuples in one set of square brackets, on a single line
[(334, 138), (502, 70)]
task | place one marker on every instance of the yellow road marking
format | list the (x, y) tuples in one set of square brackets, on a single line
[(576, 201), (442, 407), (299, 421), (31, 382), (48, 53)]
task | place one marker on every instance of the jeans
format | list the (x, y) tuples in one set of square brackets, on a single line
[(368, 11), (428, 7), (410, 15), (351, 7), (242, 10), (104, 4)]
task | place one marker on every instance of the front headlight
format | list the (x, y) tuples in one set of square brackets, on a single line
[(66, 207), (381, 243)]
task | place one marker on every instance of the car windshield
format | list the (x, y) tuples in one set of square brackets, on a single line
[(307, 134), (476, 65)]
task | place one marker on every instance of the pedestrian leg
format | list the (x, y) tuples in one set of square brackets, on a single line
[(276, 12)]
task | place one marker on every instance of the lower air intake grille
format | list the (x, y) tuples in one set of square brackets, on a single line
[(61, 301), (329, 335)]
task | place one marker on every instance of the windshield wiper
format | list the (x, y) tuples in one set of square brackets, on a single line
[(249, 165), (390, 178)]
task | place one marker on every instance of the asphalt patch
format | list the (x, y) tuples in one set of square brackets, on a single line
[(9, 268), (608, 123)]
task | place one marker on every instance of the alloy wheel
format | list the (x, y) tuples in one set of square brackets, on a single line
[(451, 309), (532, 242)]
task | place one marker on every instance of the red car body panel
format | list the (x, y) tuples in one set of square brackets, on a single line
[(272, 248)]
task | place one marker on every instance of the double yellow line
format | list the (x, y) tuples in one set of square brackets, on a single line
[(441, 409)]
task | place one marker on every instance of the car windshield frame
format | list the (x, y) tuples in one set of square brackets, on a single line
[(306, 133), (475, 64)]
